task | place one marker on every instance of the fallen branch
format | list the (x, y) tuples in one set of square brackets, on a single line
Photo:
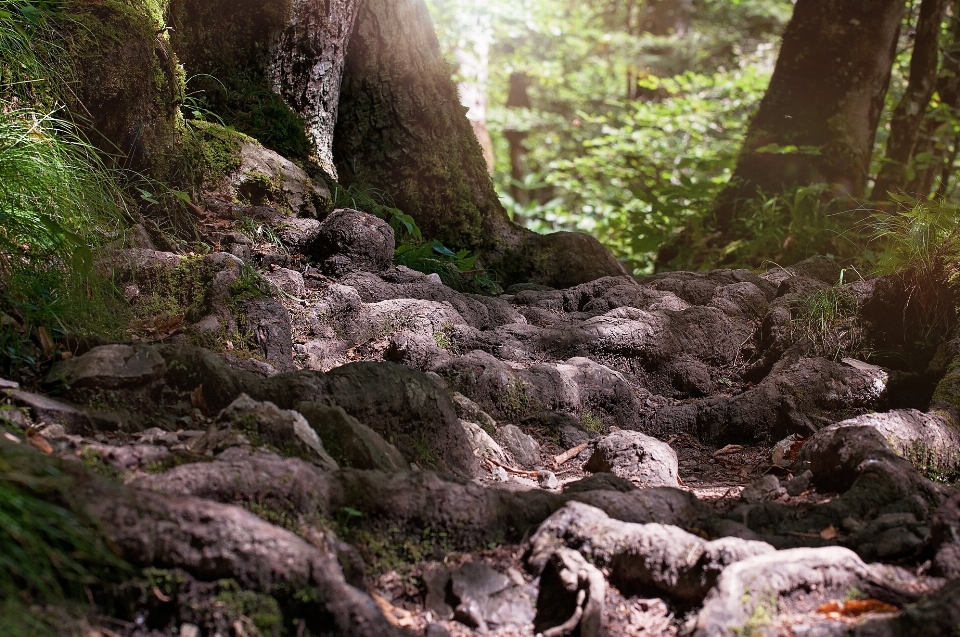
[(569, 454), (521, 472)]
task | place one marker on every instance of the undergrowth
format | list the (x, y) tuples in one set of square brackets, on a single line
[(49, 551), (457, 269)]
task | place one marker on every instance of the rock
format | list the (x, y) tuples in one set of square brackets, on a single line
[(471, 411), (410, 410), (478, 596), (764, 488), (645, 461), (436, 630), (798, 484), (548, 480), (284, 429), (669, 560), (781, 450), (483, 445), (110, 367), (350, 240), (265, 176), (268, 321), (288, 281), (189, 630), (599, 482), (351, 443), (795, 581), (8, 384), (155, 435), (523, 448), (52, 411)]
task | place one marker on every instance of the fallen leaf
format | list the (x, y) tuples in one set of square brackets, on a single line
[(9, 436), (159, 595), (38, 441), (795, 448), (829, 533), (198, 400), (46, 341), (856, 608), (727, 449)]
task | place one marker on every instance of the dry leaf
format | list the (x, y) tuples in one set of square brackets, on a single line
[(46, 341), (198, 401), (9, 436), (159, 595), (829, 533), (795, 448), (396, 616), (856, 608), (38, 441), (727, 449)]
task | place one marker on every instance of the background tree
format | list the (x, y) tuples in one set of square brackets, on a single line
[(817, 121), (908, 117)]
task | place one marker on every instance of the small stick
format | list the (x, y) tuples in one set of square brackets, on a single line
[(529, 474), (569, 454)]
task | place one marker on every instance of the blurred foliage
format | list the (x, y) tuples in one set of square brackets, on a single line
[(635, 117)]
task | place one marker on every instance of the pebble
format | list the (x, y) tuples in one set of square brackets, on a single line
[(548, 480)]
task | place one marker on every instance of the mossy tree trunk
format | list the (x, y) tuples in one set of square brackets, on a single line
[(271, 68), (307, 64), (817, 121), (403, 131), (908, 116), (402, 128)]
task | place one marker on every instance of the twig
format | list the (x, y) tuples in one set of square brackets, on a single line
[(529, 474), (569, 454)]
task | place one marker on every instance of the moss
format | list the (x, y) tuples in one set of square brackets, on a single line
[(92, 459), (181, 290), (517, 403), (263, 610), (226, 47), (946, 396), (128, 85), (210, 153)]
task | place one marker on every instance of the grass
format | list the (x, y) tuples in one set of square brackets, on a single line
[(49, 551), (828, 321)]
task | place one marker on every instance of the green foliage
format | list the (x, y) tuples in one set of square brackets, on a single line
[(457, 269), (58, 205), (591, 422), (263, 610), (48, 549), (912, 236)]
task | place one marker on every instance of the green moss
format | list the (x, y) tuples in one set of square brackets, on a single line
[(517, 403), (263, 610), (128, 83), (181, 290), (210, 153), (946, 396), (92, 459)]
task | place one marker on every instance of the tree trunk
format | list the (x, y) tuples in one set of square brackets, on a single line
[(403, 132), (936, 137), (307, 64), (907, 118), (252, 47), (518, 97), (817, 121)]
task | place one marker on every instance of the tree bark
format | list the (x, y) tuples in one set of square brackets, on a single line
[(402, 129), (817, 121), (307, 65), (934, 138), (296, 48), (907, 118)]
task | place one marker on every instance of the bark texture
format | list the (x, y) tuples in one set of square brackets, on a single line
[(824, 99), (402, 128), (307, 64), (295, 48), (907, 118)]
